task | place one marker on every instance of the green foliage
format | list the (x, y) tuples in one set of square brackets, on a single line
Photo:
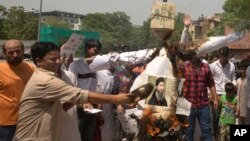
[(219, 30), (239, 8), (115, 28), (3, 12), (142, 37), (237, 14), (19, 24), (56, 22), (176, 36)]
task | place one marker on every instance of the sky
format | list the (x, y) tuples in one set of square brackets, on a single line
[(137, 10)]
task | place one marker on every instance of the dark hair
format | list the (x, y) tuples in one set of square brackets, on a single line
[(185, 55), (244, 63), (41, 49), (158, 80), (229, 87), (4, 50), (92, 43), (224, 51)]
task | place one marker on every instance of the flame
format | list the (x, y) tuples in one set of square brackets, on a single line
[(148, 120), (148, 123), (175, 123)]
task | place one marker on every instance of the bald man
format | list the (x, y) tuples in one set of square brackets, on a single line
[(14, 74)]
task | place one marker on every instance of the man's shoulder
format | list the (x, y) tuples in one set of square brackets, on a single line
[(3, 63), (24, 66), (78, 62), (43, 75), (30, 65), (205, 64), (231, 63), (214, 63)]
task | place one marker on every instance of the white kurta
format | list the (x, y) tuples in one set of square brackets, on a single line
[(81, 67), (104, 85), (70, 131)]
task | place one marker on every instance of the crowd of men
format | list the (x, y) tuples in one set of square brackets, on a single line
[(50, 98), (46, 101)]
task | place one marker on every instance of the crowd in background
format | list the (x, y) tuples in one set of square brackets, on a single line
[(50, 99)]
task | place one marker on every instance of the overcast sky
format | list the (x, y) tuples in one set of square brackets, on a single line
[(138, 10)]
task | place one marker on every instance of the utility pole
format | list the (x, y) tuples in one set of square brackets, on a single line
[(39, 20)]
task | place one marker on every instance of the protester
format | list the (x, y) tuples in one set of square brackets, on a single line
[(69, 127), (14, 74), (228, 104), (85, 70), (104, 85), (158, 97), (86, 79), (223, 72), (123, 81), (247, 119), (243, 107), (66, 61), (198, 77), (40, 107)]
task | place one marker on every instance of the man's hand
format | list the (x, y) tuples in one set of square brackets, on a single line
[(87, 106), (187, 21), (153, 55), (69, 60), (123, 98), (89, 60), (216, 104)]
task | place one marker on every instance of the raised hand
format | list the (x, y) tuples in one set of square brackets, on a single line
[(187, 21)]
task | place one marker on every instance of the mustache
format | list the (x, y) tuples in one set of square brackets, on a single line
[(15, 61)]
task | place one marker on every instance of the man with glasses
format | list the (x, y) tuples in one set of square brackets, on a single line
[(14, 74)]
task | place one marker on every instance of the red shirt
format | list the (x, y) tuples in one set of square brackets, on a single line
[(196, 83)]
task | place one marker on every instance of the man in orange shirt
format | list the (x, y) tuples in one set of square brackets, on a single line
[(14, 74)]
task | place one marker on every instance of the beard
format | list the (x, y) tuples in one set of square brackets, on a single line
[(14, 61)]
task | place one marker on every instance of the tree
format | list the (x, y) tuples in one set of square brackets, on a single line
[(178, 27), (19, 24), (237, 14), (240, 8), (145, 38), (115, 28), (3, 13), (56, 22)]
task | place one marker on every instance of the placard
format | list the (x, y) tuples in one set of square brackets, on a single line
[(72, 45)]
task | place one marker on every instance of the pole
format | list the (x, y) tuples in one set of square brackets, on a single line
[(39, 21)]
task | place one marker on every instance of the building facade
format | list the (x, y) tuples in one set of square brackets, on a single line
[(73, 19)]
